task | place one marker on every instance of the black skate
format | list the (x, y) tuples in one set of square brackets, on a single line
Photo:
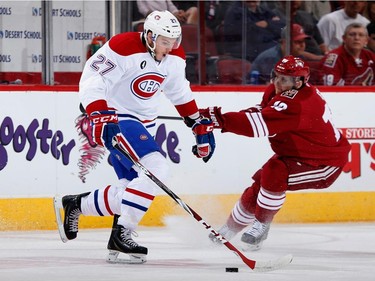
[(254, 237), (121, 242), (72, 210)]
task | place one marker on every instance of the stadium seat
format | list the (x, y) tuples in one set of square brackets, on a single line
[(229, 70)]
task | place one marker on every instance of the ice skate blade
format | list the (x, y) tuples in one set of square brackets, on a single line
[(112, 257), (57, 204)]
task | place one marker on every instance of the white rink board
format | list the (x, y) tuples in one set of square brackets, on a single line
[(229, 171)]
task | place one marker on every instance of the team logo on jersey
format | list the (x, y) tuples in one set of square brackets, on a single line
[(146, 85), (289, 93), (365, 79), (330, 61)]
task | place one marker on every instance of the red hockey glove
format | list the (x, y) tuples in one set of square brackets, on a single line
[(205, 139), (213, 113), (104, 127)]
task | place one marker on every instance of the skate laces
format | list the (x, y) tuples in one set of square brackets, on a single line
[(126, 236), (224, 231), (73, 220), (258, 229)]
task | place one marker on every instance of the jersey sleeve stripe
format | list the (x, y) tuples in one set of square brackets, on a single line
[(257, 123)]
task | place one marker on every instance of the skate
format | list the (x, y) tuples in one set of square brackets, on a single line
[(71, 204), (224, 231), (254, 237), (121, 242)]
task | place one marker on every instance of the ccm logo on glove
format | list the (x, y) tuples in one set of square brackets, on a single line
[(113, 118), (104, 127)]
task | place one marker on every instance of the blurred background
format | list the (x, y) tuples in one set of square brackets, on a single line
[(226, 42)]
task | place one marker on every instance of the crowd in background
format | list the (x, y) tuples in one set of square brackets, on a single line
[(255, 31)]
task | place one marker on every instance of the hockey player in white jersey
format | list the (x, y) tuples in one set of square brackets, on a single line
[(120, 89)]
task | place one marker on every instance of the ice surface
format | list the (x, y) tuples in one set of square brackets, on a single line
[(181, 251)]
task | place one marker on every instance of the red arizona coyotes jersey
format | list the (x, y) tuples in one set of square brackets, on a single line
[(340, 68), (298, 124), (123, 76)]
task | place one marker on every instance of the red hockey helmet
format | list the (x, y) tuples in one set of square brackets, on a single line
[(293, 66)]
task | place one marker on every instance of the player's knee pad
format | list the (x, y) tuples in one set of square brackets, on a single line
[(156, 164), (274, 177), (249, 197)]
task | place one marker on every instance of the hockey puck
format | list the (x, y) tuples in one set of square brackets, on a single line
[(231, 269)]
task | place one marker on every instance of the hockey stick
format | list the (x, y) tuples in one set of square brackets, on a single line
[(120, 144), (169, 117)]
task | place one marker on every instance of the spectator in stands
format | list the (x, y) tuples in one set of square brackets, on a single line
[(369, 12), (332, 25), (337, 5), (371, 36), (317, 8), (265, 62), (214, 19), (262, 29), (268, 4), (215, 12), (189, 16), (351, 63), (314, 43)]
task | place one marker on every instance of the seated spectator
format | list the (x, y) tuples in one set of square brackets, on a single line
[(262, 29), (337, 5), (315, 43), (265, 62), (317, 8), (369, 12), (268, 4), (215, 12), (371, 36), (332, 25), (189, 16), (351, 63)]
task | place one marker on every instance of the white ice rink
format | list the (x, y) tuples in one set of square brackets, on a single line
[(181, 251)]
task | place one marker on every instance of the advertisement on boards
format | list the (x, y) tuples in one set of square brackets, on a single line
[(43, 152)]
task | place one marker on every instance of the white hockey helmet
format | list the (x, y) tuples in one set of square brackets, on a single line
[(163, 23)]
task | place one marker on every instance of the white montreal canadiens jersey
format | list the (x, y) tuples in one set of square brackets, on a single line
[(123, 73)]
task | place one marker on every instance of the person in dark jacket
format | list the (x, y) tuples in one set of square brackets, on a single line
[(262, 29)]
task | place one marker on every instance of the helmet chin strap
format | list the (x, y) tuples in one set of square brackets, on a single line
[(150, 49)]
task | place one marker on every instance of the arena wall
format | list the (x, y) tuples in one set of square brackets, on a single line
[(40, 150)]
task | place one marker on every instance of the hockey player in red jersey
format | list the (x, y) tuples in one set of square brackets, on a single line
[(351, 63), (120, 90), (309, 151)]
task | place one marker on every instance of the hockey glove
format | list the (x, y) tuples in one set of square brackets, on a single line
[(205, 139), (104, 127), (213, 113)]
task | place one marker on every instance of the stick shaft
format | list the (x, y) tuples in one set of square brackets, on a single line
[(162, 117), (119, 145)]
